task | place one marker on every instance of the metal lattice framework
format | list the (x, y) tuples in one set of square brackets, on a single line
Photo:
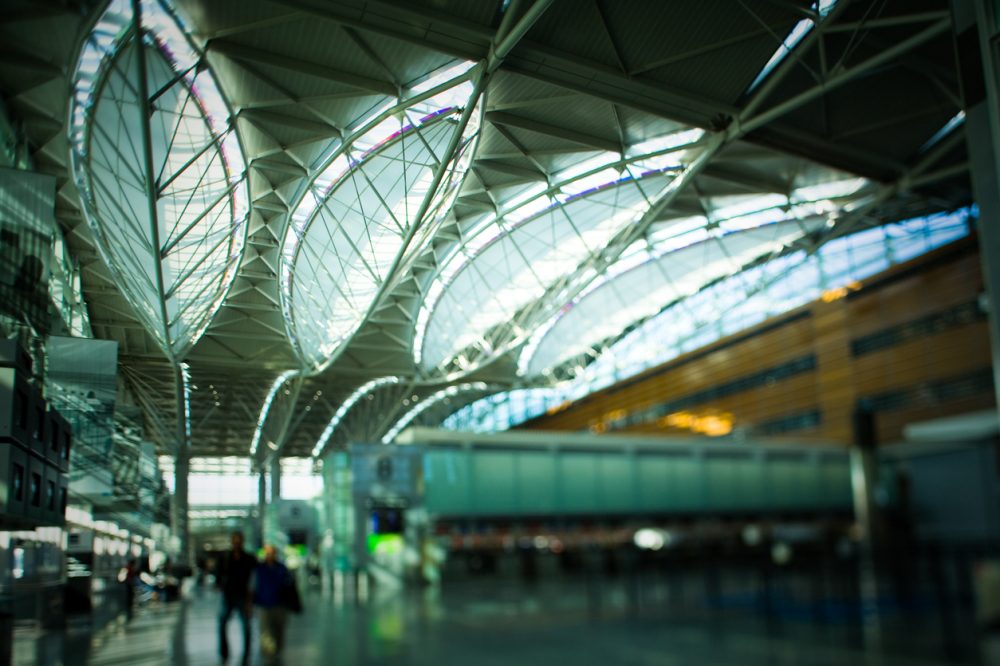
[(436, 407), (684, 257), (367, 413), (475, 308), (766, 287), (380, 199), (433, 189), (159, 173)]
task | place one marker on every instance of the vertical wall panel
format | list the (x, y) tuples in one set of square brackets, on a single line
[(538, 484)]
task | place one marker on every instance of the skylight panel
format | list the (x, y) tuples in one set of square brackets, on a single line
[(659, 162), (531, 193), (486, 289), (752, 220), (592, 182), (365, 389), (667, 142), (680, 232), (957, 120), (443, 76), (798, 32), (821, 8), (537, 247), (528, 210), (265, 408), (378, 135), (173, 247), (392, 182), (625, 296), (725, 208), (578, 169), (829, 190), (422, 406)]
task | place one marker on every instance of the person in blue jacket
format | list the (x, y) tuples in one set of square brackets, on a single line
[(272, 577)]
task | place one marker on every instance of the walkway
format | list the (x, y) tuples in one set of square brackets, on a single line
[(485, 624)]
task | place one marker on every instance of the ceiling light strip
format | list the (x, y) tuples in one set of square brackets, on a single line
[(346, 406), (429, 402)]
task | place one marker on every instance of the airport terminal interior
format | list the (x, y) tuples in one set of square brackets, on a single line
[(499, 331)]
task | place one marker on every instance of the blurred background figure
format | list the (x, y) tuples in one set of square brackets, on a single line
[(128, 577), (273, 581), (235, 570)]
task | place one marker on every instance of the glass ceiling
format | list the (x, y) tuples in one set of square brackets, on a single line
[(726, 307), (377, 201), (504, 410), (778, 286), (366, 389), (681, 257), (821, 8), (169, 220), (640, 292), (443, 396), (265, 408), (476, 305)]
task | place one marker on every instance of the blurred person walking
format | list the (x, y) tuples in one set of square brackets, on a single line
[(233, 578), (128, 577), (275, 594)]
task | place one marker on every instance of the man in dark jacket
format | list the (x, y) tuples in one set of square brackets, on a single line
[(233, 578)]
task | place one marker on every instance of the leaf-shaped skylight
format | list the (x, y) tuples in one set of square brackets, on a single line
[(639, 292), (376, 203), (684, 255), (492, 290), (160, 171)]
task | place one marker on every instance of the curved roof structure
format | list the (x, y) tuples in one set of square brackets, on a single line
[(381, 197), (475, 308), (726, 306), (159, 169), (297, 198), (683, 257), (435, 407), (644, 290)]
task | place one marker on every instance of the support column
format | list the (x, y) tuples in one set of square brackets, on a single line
[(864, 478), (269, 500), (275, 480), (977, 34), (258, 537), (179, 509)]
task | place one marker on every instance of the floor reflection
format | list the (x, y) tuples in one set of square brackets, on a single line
[(483, 623)]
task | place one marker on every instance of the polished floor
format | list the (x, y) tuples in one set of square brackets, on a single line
[(484, 623)]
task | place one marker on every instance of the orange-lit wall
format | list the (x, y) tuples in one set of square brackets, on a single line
[(912, 341)]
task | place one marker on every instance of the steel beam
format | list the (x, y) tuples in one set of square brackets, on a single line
[(976, 38), (889, 22), (748, 124), (499, 50), (151, 189)]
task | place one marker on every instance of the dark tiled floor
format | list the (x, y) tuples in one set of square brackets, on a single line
[(481, 624)]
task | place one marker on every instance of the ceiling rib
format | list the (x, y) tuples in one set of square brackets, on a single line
[(252, 54), (511, 120)]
